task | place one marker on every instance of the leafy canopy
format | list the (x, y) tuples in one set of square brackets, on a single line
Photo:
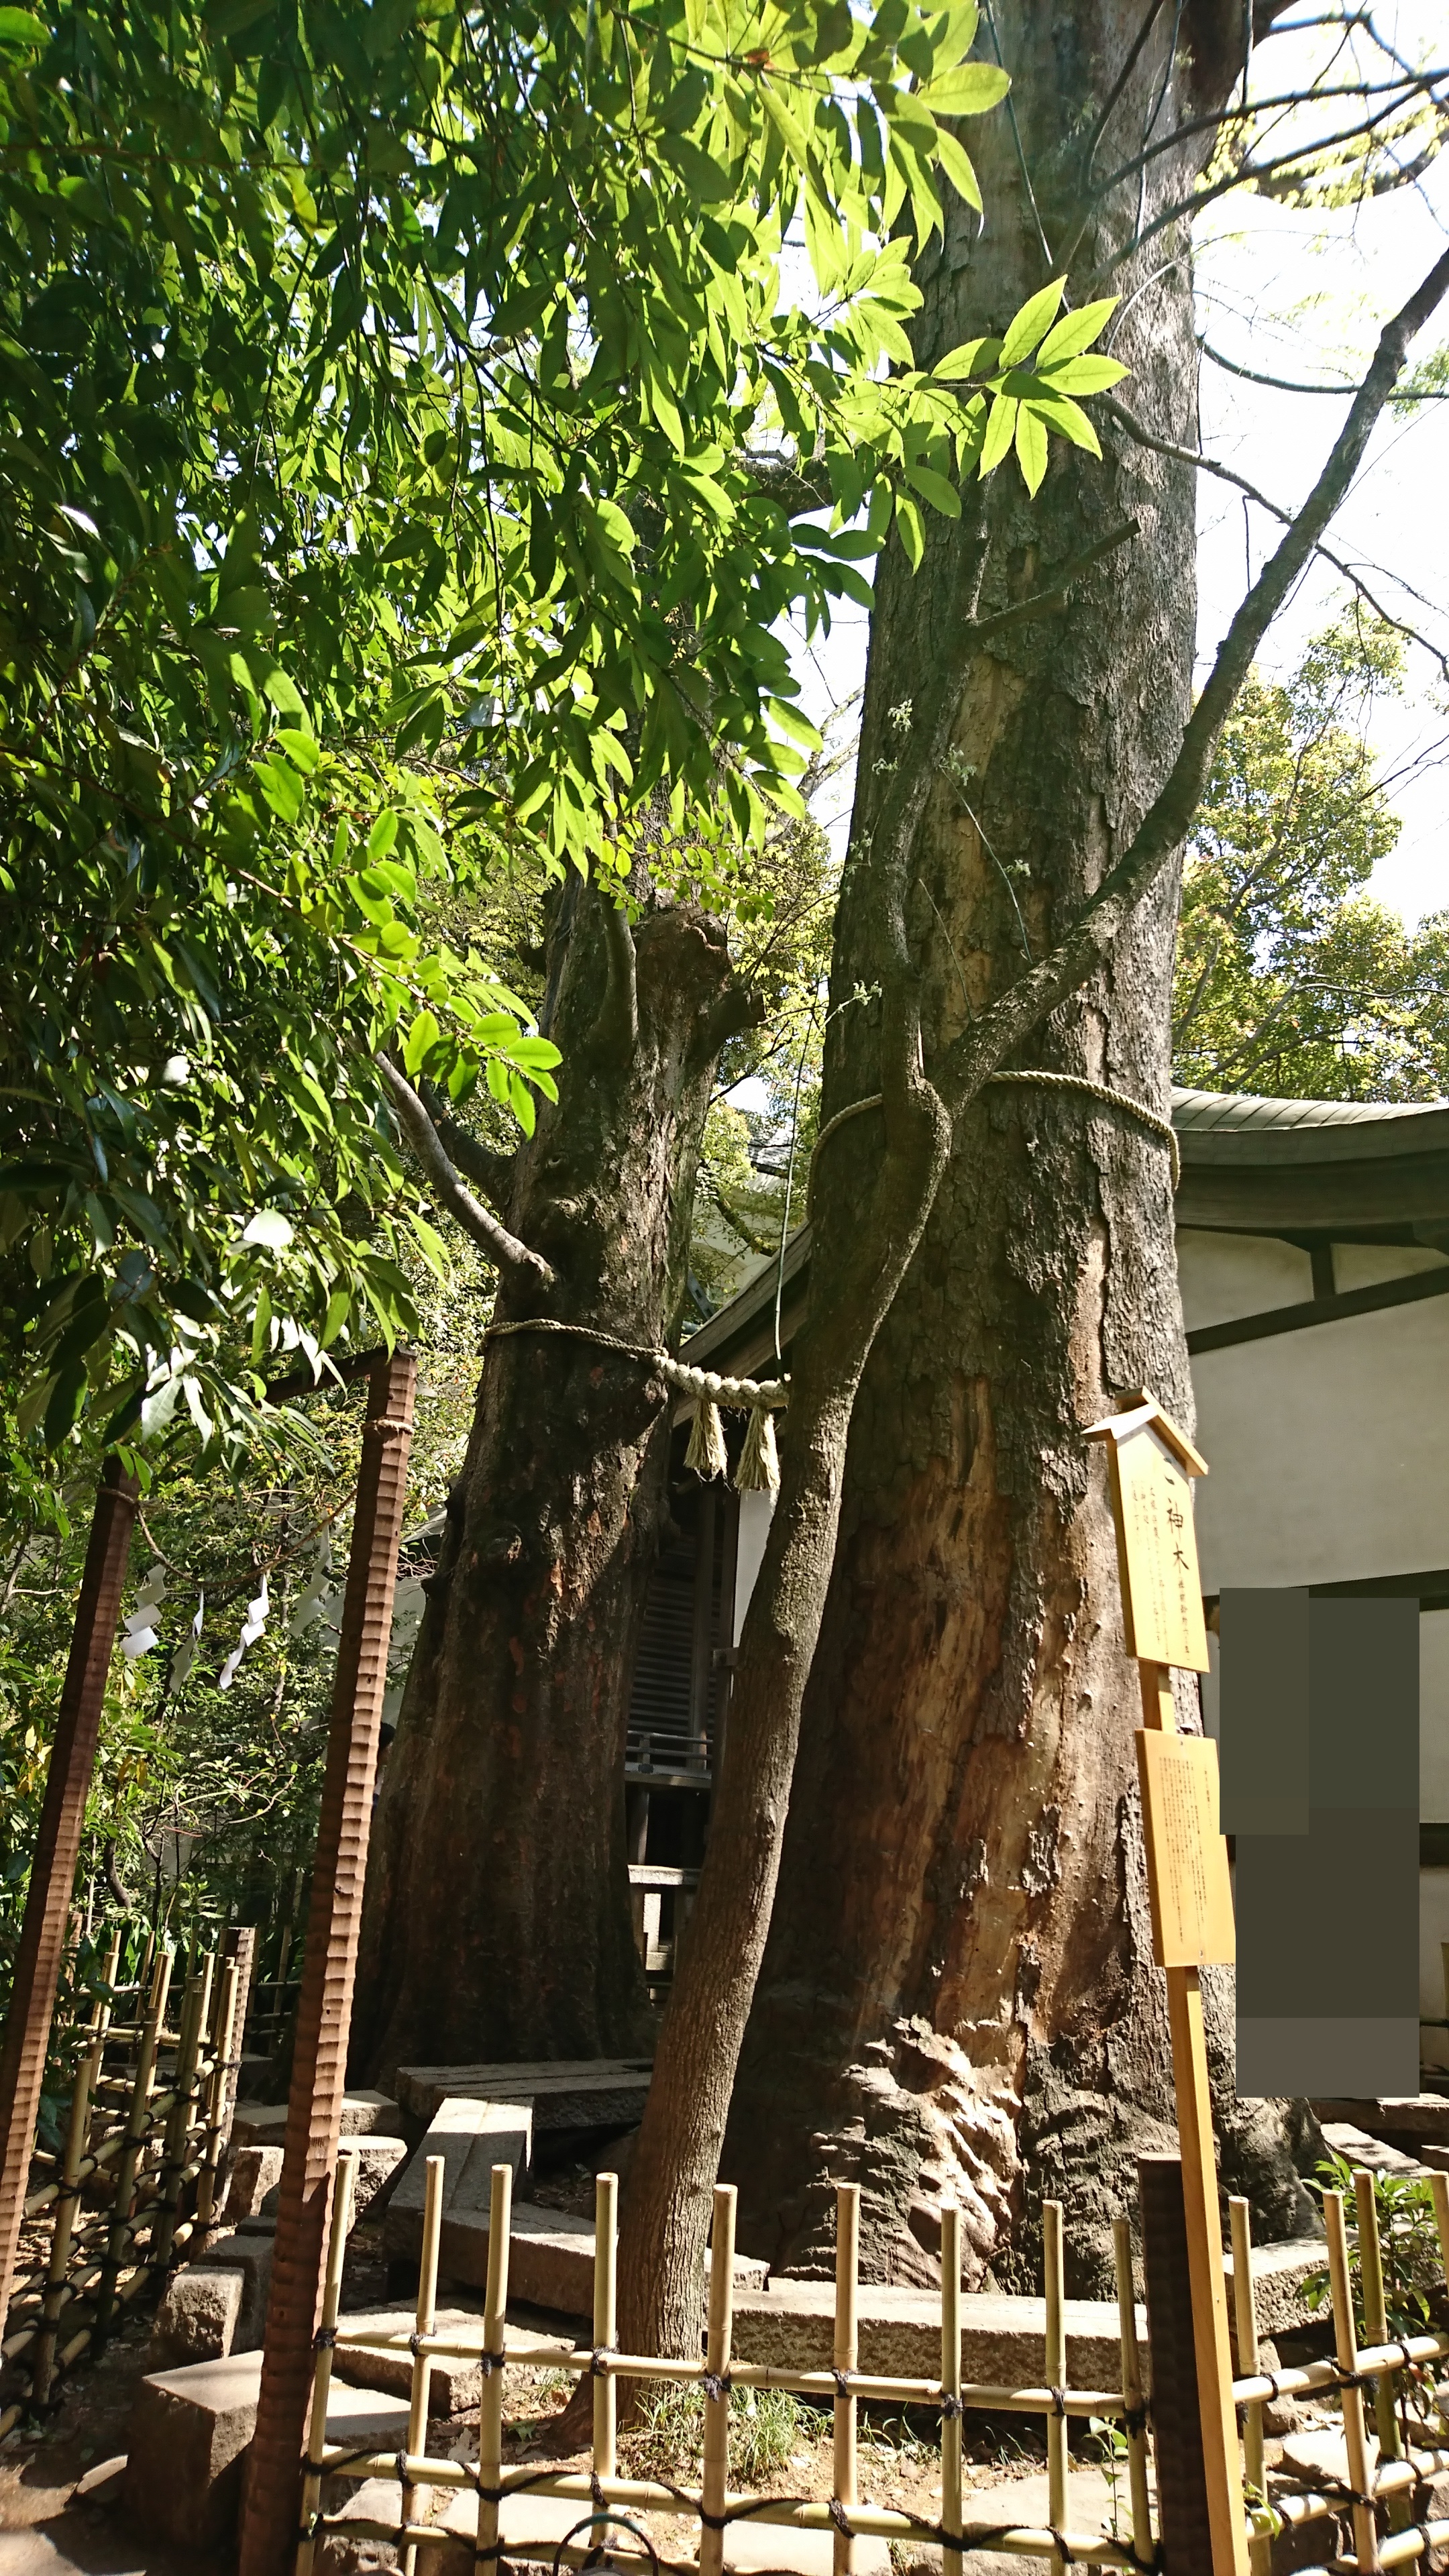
[(1291, 980), (382, 391)]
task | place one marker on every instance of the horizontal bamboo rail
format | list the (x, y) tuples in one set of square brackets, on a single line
[(713, 2504)]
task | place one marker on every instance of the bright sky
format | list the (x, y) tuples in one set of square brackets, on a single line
[(1303, 296)]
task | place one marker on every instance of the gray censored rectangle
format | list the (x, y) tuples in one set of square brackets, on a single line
[(1355, 2058), (1263, 1711), (1327, 1908)]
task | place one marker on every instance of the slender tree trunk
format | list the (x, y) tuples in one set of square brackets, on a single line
[(497, 1921), (959, 1997)]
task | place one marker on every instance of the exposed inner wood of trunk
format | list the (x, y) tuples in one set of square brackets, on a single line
[(497, 1921), (958, 1994)]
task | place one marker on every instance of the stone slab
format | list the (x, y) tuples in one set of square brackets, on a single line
[(1280, 2273), (550, 2258), (1397, 2117), (199, 2315), (453, 2386), (1002, 2339), (347, 2552), (365, 2114), (188, 2438), (250, 2254), (256, 2171), (1371, 2155), (542, 2520), (471, 2134), (567, 2093), (1019, 2501), (379, 2164)]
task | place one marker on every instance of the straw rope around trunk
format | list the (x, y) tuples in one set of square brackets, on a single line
[(758, 1470)]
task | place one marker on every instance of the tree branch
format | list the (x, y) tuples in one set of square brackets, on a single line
[(796, 487), (982, 1047), (1288, 385), (474, 1218), (1275, 510), (482, 1163)]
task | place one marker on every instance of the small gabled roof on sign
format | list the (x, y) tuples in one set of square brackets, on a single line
[(1144, 1413)]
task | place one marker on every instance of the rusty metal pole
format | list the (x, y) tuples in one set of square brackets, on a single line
[(52, 1871), (272, 2501)]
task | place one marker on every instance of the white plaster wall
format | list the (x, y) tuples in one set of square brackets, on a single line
[(756, 1513), (1223, 1276), (1329, 1450), (1363, 1265)]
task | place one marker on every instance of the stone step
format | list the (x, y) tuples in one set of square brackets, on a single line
[(365, 2114), (471, 2134), (1404, 2119), (1371, 2155), (188, 2438), (567, 2093), (453, 2385), (792, 2324), (1280, 2275)]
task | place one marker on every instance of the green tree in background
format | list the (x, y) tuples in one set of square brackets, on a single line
[(1290, 979)]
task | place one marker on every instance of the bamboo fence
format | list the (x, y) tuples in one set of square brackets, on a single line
[(1380, 2486), (139, 2176)]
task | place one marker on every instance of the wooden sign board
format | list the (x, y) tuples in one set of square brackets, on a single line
[(1157, 1550), (1187, 1858)]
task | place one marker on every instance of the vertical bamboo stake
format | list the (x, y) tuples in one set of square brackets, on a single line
[(217, 2099), (606, 2300), (1376, 2330), (177, 2139), (717, 2363), (52, 1870), (951, 2381), (1365, 2527), (67, 2202), (495, 2344), (1245, 2317), (1132, 2393), (1439, 2188), (342, 2190), (138, 2122), (425, 2318), (847, 2352), (1056, 2368), (324, 2013)]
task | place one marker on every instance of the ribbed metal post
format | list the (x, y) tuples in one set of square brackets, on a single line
[(272, 2500), (52, 1871)]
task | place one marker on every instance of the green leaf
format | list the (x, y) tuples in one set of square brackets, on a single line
[(1000, 430), (955, 160), (1031, 322), (1031, 446), (933, 487), (972, 358), (911, 526), (1089, 375), (967, 91), (1076, 331), (270, 1228), (20, 33), (422, 1038), (1057, 412)]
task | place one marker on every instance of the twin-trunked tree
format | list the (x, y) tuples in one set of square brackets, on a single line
[(957, 1995)]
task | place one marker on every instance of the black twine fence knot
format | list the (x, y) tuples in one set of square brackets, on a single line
[(324, 2338), (488, 2362), (842, 2379), (600, 2358), (841, 2518), (1058, 2397), (716, 2384), (951, 2406)]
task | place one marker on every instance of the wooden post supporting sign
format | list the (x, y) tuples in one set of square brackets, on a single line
[(1151, 1462), (314, 2109)]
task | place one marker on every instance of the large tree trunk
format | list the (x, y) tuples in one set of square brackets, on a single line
[(497, 1922), (958, 1994)]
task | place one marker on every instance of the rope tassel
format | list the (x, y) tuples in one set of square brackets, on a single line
[(759, 1469), (706, 1453)]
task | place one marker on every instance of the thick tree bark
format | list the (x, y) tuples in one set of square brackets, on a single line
[(958, 1997), (497, 1921)]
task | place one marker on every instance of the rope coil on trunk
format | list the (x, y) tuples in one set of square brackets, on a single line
[(1162, 1128)]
